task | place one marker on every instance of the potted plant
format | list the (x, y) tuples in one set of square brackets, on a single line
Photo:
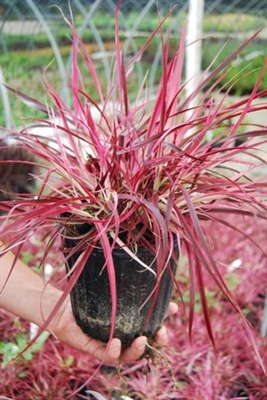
[(129, 190)]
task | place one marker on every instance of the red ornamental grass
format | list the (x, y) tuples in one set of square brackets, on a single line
[(145, 164)]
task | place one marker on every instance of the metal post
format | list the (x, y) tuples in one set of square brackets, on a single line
[(194, 45)]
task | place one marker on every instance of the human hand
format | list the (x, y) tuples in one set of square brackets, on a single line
[(24, 287), (66, 330)]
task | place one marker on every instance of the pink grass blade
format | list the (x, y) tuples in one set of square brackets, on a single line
[(204, 302), (251, 98), (192, 290), (227, 61), (216, 274), (107, 250), (30, 101), (119, 63)]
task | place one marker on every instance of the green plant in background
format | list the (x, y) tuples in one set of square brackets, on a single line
[(33, 52), (17, 71), (10, 350), (247, 64), (104, 23), (233, 22)]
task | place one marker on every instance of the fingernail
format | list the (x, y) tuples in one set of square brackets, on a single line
[(163, 333), (115, 346), (141, 344)]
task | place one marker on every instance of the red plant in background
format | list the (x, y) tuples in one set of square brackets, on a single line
[(183, 370), (144, 164)]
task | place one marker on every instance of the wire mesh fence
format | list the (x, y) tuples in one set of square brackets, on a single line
[(31, 16), (21, 9)]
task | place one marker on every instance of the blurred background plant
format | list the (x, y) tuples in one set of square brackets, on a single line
[(183, 370), (34, 35)]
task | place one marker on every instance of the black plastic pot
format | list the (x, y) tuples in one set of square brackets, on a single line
[(91, 299)]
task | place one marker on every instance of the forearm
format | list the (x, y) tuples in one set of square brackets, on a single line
[(24, 293)]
